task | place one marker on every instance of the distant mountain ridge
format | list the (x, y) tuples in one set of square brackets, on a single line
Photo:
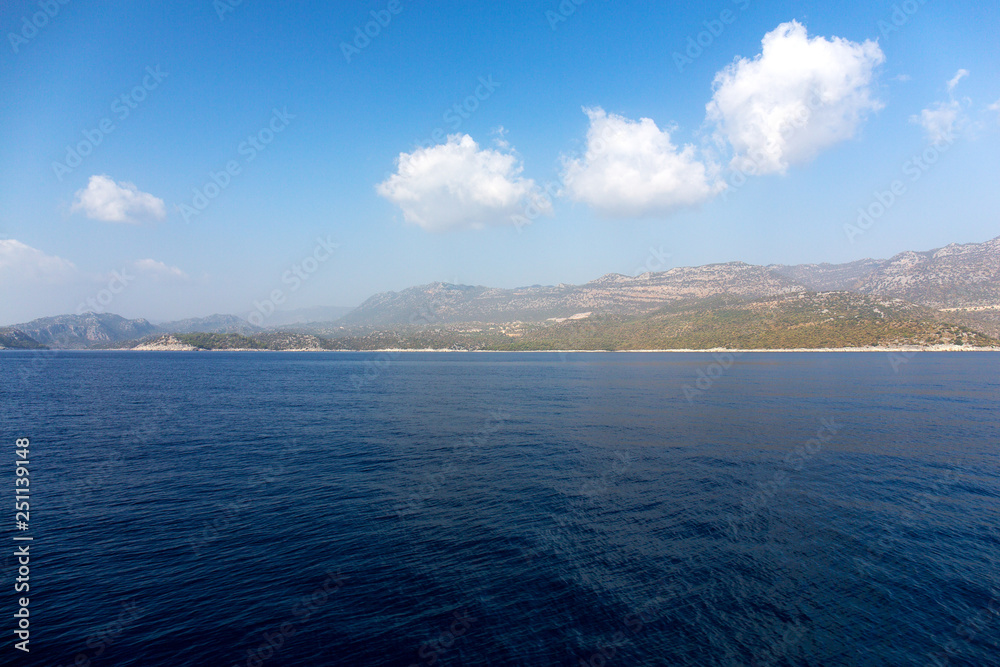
[(14, 339), (83, 331), (955, 292), (956, 276), (285, 318), (803, 320), (90, 330), (210, 324), (611, 293)]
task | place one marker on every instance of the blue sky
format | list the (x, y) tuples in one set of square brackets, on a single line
[(761, 144)]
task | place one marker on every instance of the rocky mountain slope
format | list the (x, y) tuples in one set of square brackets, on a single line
[(70, 332), (13, 339), (210, 324), (805, 320), (957, 276), (442, 303), (962, 276), (228, 341), (947, 294), (830, 277)]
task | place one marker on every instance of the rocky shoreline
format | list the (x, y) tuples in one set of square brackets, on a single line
[(178, 346)]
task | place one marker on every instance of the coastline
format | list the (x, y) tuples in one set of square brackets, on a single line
[(714, 350)]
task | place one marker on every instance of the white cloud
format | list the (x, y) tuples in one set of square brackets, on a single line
[(959, 75), (20, 263), (794, 99), (943, 119), (158, 269), (632, 169), (103, 199), (458, 185), (940, 121), (995, 107)]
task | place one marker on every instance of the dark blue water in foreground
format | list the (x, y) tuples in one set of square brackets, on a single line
[(507, 509)]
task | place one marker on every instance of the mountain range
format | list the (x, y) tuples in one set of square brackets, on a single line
[(947, 295), (962, 278)]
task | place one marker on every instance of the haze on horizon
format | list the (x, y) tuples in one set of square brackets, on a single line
[(201, 156)]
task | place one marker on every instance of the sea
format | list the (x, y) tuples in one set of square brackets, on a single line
[(454, 508)]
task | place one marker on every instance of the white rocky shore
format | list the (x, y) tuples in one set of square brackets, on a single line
[(171, 344), (719, 350), (165, 343)]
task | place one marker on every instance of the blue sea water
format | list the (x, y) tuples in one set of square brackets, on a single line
[(506, 509)]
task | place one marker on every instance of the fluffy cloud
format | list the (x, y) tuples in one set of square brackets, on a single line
[(158, 269), (942, 119), (20, 263), (459, 185), (632, 169), (995, 107), (959, 75), (103, 199), (797, 97)]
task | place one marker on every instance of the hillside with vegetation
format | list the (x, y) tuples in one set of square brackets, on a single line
[(949, 296), (14, 339), (798, 321), (805, 320)]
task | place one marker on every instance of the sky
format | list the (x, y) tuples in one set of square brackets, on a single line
[(173, 160)]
